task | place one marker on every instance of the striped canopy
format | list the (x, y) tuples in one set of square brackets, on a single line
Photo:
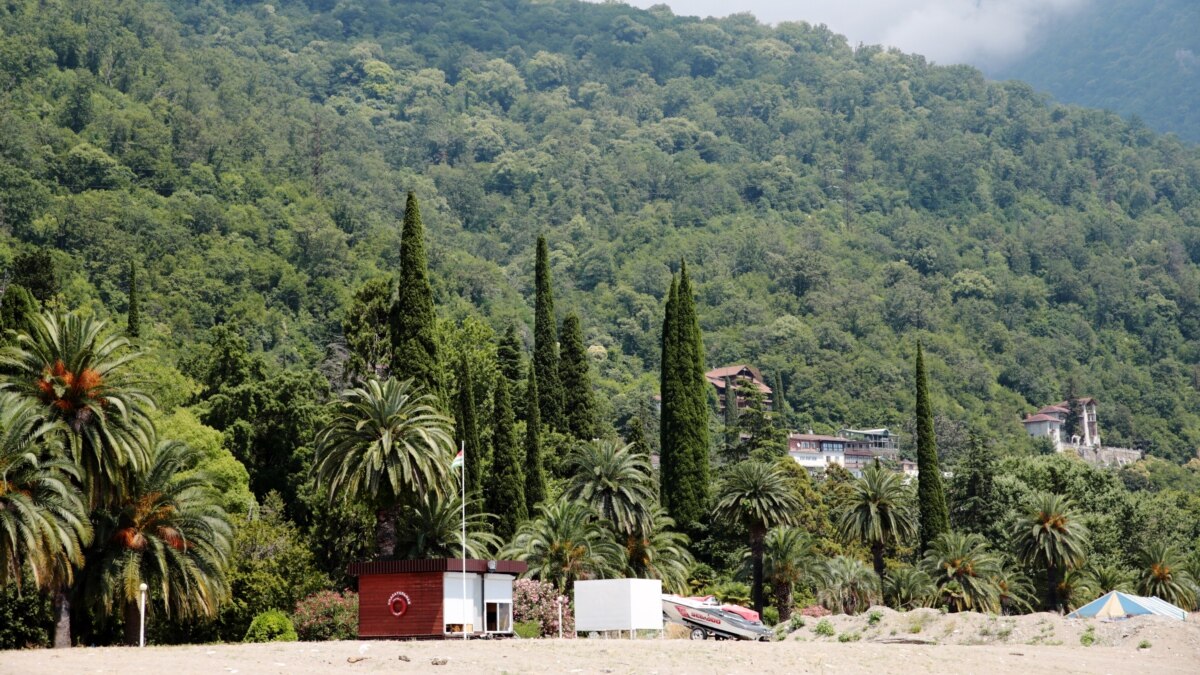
[(1118, 605)]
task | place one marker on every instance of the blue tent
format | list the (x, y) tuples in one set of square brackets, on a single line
[(1118, 605)]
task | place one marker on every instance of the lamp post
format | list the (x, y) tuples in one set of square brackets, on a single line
[(562, 600), (142, 611)]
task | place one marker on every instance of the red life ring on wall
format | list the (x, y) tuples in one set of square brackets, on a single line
[(398, 603)]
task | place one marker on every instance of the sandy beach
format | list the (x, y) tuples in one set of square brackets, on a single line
[(945, 644)]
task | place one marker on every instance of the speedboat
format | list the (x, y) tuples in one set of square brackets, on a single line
[(708, 618)]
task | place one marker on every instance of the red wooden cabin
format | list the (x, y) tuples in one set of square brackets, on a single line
[(424, 598)]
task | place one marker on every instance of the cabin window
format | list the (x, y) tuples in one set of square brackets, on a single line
[(499, 617)]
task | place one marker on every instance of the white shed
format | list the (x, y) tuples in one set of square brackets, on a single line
[(618, 604)]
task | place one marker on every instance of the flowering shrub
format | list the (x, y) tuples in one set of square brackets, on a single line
[(815, 611), (538, 601), (327, 616)]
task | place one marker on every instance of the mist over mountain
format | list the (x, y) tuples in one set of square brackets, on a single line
[(1137, 58)]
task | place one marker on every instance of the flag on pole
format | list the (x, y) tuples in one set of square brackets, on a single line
[(458, 461)]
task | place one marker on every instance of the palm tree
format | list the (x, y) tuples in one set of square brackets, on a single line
[(1075, 589), (757, 496), (908, 588), (1050, 536), (385, 443), (169, 532), (79, 374), (1107, 578), (1163, 575), (566, 542), (657, 552), (846, 585), (1015, 591), (43, 519), (432, 528), (615, 480), (788, 558), (878, 512), (962, 562)]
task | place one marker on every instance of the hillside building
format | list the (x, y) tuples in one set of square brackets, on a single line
[(1050, 420), (738, 376)]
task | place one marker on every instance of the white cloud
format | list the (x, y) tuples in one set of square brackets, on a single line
[(947, 31)]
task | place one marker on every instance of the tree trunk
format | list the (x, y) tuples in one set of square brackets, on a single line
[(783, 600), (758, 535), (133, 624), (385, 533), (62, 624), (877, 555), (1052, 588)]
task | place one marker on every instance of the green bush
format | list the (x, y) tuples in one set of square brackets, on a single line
[(797, 622), (1089, 637), (528, 629), (26, 618), (1144, 644), (271, 626), (824, 628), (874, 617), (770, 616), (849, 637)]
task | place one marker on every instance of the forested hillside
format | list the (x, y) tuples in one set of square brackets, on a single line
[(227, 184), (837, 204), (1137, 58)]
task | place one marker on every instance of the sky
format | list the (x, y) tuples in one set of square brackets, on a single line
[(986, 33)]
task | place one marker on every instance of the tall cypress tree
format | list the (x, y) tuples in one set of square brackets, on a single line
[(414, 341), (133, 326), (535, 472), (17, 305), (668, 388), (687, 389), (545, 343), (931, 496), (466, 429), (506, 480), (579, 406), (508, 353)]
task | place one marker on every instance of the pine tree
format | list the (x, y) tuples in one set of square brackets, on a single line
[(535, 472), (414, 337), (685, 466), (636, 438), (133, 327), (668, 396), (506, 480), (545, 343), (1072, 425), (931, 497), (732, 435), (579, 407), (466, 430), (16, 307), (508, 353), (974, 491)]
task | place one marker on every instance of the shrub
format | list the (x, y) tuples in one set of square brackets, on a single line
[(815, 611), (797, 622), (824, 628), (770, 616), (538, 601), (1089, 637), (874, 617), (1144, 644), (327, 615), (849, 637), (26, 618), (527, 629), (271, 626)]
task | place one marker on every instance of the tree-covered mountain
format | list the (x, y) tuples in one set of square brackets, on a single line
[(835, 205), (1134, 57)]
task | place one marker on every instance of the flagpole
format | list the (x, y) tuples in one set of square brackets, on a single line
[(463, 450)]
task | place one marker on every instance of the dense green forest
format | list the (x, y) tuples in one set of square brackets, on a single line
[(253, 167), (1137, 58)]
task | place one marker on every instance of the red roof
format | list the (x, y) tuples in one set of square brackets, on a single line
[(717, 376), (1040, 418), (1055, 409)]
